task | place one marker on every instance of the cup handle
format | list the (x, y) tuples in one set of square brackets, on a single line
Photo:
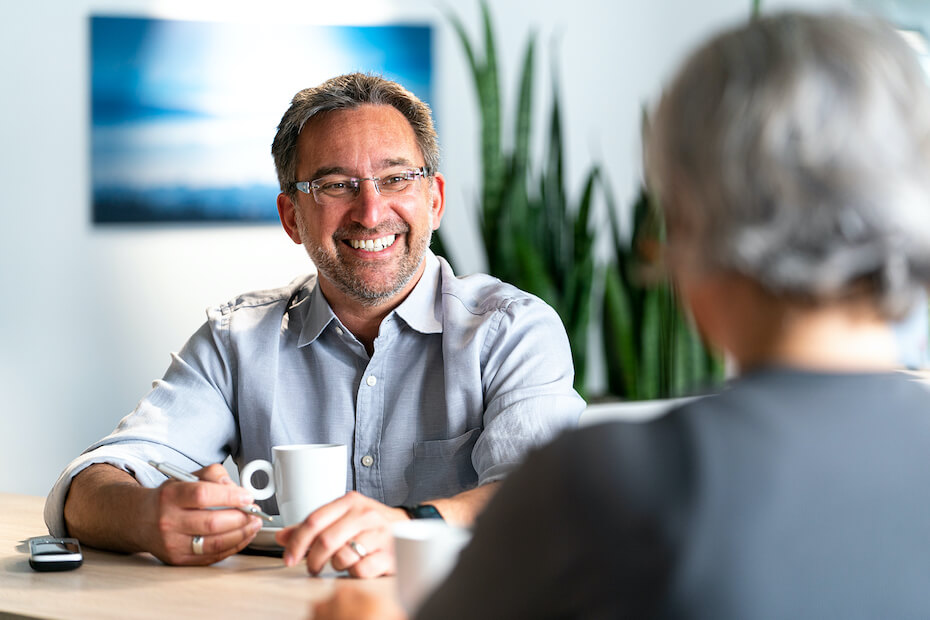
[(245, 478)]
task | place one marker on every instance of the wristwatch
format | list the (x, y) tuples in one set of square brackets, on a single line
[(422, 511)]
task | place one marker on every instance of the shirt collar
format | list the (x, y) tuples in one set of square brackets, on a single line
[(422, 310), (316, 315)]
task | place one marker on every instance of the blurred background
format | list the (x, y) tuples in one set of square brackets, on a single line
[(90, 313)]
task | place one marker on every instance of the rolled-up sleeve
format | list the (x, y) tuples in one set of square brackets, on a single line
[(186, 419), (527, 381)]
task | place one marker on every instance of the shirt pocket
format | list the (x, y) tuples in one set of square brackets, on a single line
[(443, 467)]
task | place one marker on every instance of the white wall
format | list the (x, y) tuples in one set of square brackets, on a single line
[(89, 316)]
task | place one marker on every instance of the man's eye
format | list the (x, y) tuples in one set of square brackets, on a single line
[(335, 186), (394, 178)]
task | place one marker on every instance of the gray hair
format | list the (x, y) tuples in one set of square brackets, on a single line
[(347, 92), (795, 150)]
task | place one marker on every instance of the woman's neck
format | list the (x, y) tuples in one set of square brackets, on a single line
[(826, 338), (757, 328)]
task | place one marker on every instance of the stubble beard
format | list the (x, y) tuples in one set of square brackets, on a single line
[(346, 278)]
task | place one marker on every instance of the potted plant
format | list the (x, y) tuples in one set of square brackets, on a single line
[(539, 239)]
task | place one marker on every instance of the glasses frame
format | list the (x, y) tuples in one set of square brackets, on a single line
[(355, 183)]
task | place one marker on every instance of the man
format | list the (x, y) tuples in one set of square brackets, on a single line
[(790, 156), (437, 385)]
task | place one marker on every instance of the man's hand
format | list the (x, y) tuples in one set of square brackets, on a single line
[(326, 533), (354, 603), (108, 509), (183, 510)]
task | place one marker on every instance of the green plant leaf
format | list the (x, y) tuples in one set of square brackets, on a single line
[(535, 277), (523, 126), (621, 356), (652, 372), (491, 116), (473, 63), (554, 185), (583, 238)]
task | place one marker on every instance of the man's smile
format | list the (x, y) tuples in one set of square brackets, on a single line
[(372, 245)]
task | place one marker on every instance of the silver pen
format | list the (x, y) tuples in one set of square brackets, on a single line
[(179, 474)]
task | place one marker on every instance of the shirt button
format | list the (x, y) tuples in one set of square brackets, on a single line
[(339, 331), (367, 460), (371, 380)]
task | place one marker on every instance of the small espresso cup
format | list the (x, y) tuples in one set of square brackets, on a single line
[(425, 551), (303, 477)]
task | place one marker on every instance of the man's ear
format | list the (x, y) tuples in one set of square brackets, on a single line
[(287, 213), (438, 199)]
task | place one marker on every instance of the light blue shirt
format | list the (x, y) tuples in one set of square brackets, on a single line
[(467, 374)]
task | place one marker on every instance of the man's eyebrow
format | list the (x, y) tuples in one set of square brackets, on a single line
[(385, 163), (322, 172)]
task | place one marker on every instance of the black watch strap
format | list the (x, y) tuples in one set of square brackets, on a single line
[(422, 511)]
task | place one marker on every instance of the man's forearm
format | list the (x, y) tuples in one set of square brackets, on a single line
[(462, 509), (105, 508)]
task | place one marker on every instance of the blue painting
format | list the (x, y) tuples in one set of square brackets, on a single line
[(183, 113)]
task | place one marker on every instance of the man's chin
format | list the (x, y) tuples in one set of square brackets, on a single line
[(368, 282), (372, 297), (369, 292)]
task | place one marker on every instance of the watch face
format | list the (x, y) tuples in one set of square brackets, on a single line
[(424, 511)]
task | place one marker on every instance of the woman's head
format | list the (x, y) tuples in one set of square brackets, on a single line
[(795, 151)]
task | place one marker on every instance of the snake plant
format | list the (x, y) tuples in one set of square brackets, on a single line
[(534, 235), (540, 240)]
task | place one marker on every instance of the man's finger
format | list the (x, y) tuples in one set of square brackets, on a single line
[(213, 547), (373, 565), (214, 473), (206, 494), (298, 538), (359, 546), (330, 541), (228, 542)]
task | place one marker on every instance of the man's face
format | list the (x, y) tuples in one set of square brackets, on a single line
[(364, 142)]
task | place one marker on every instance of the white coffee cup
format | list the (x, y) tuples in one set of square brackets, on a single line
[(303, 477), (425, 552)]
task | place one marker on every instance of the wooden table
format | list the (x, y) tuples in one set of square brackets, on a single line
[(113, 585)]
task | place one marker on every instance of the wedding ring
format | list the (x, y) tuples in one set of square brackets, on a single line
[(197, 545), (358, 548)]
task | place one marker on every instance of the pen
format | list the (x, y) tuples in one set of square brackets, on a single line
[(179, 474)]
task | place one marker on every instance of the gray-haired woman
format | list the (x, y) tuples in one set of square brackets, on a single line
[(791, 157)]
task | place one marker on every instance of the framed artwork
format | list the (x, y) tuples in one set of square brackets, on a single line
[(183, 113)]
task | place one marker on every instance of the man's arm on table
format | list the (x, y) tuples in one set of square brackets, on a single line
[(107, 508), (324, 535), (462, 509)]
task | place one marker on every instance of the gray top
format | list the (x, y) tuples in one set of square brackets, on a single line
[(789, 495), (467, 374)]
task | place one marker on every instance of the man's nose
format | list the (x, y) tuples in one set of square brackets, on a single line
[(368, 206)]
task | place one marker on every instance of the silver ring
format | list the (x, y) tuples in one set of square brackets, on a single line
[(197, 545), (358, 548)]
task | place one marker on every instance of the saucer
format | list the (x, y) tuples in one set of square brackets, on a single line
[(264, 541), (265, 544)]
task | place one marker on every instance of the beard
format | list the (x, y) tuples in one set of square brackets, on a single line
[(349, 278)]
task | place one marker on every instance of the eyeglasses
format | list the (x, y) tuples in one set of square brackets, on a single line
[(336, 190)]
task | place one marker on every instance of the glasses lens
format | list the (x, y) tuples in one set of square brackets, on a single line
[(336, 188), (397, 181)]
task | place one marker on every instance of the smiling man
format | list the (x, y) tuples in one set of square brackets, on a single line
[(367, 240), (437, 384)]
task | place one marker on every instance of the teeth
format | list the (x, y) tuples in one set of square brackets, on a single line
[(373, 245)]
